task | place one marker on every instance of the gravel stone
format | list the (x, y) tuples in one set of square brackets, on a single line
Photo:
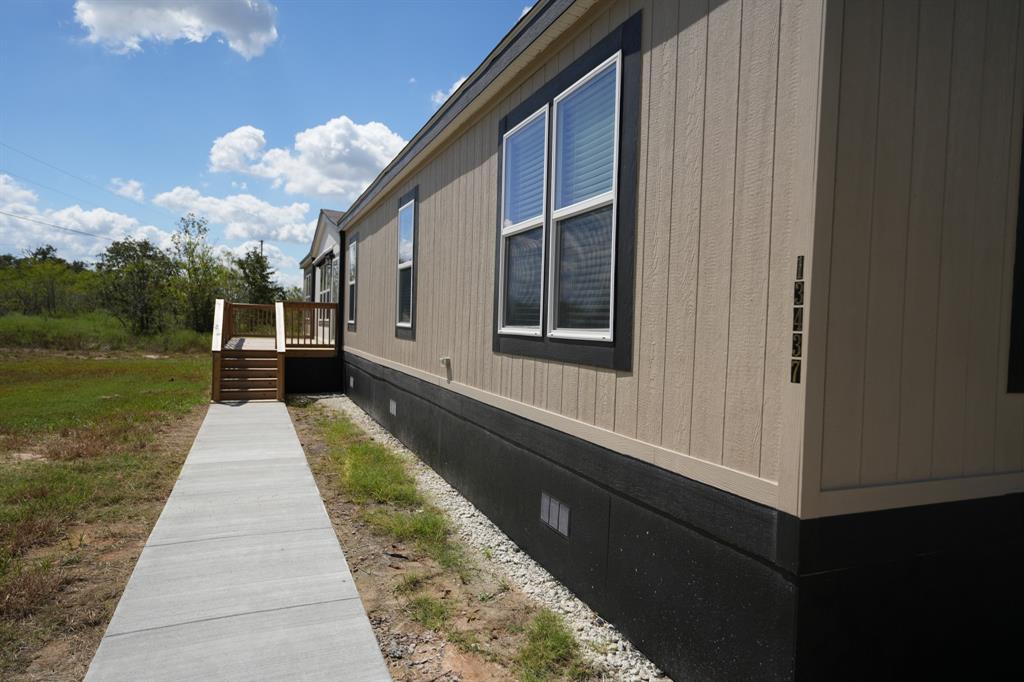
[(601, 644)]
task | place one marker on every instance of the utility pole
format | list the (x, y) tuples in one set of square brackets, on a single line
[(261, 247)]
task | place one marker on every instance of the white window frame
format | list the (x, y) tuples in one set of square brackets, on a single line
[(528, 224), (403, 266), (609, 198), (352, 270), (307, 285), (326, 269)]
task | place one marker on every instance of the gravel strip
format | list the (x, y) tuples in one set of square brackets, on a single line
[(603, 646)]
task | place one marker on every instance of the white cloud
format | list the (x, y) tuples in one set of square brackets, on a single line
[(248, 26), (412, 80), (439, 96), (131, 189), (23, 235), (287, 271), (526, 10), (236, 150), (335, 160), (243, 215)]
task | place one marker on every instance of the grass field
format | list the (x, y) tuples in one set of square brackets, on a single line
[(89, 450), (92, 331)]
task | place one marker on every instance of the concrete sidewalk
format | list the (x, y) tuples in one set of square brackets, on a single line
[(242, 577)]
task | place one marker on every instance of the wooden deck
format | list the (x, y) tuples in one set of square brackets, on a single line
[(252, 341), (264, 343)]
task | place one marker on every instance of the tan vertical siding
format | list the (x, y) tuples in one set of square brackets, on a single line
[(926, 168), (725, 187), (755, 146)]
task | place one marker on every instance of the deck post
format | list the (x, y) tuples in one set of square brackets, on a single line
[(281, 348), (216, 345), (215, 390)]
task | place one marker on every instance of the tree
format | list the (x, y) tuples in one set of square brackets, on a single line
[(258, 282), (137, 284), (200, 274)]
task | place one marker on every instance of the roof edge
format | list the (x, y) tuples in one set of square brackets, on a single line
[(530, 26)]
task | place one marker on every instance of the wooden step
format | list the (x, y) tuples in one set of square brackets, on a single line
[(231, 383), (241, 353), (249, 373), (248, 394), (257, 363)]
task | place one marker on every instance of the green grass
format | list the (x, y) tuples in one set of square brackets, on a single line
[(92, 331), (551, 651), (376, 477), (429, 612), (93, 422), (410, 583), (48, 393)]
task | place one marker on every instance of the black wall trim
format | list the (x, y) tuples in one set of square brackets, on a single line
[(409, 333), (712, 586), (500, 58), (734, 520), (1015, 381), (619, 353)]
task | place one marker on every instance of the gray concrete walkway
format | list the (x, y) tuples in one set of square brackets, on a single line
[(243, 577)]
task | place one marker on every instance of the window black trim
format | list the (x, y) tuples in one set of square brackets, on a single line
[(1015, 379), (617, 354), (409, 333), (351, 300)]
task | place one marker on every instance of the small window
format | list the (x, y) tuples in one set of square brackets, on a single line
[(405, 304), (352, 254), (307, 285), (522, 226)]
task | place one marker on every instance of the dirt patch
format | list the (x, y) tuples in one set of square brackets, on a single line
[(431, 624), (87, 569)]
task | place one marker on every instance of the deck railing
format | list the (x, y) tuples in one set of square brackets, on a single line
[(309, 325), (251, 319), (304, 324)]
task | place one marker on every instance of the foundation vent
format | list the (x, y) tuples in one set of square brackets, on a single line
[(554, 514)]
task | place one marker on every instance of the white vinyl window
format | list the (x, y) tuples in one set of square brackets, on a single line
[(307, 287), (352, 253), (524, 193), (326, 280), (406, 249), (583, 185)]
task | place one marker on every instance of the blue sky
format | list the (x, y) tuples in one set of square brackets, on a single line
[(253, 113)]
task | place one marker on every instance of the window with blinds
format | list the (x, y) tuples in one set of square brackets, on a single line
[(583, 213), (570, 146), (352, 253), (406, 244), (524, 153)]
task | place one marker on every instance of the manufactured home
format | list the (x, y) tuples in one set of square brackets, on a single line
[(320, 265), (716, 308)]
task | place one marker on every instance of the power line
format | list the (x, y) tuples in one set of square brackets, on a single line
[(61, 170), (52, 189), (59, 227)]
